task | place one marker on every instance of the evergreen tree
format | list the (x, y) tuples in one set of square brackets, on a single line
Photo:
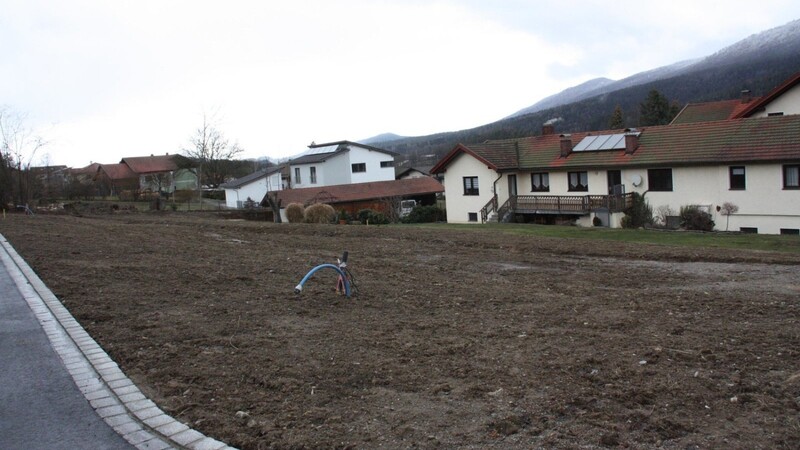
[(617, 121), (656, 110)]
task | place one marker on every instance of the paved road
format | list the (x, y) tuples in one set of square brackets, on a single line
[(40, 405)]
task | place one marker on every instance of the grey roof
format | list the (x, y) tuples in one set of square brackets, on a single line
[(321, 152), (247, 179)]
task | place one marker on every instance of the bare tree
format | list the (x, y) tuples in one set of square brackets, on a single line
[(18, 145), (212, 151)]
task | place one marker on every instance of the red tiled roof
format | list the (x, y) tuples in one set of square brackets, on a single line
[(117, 171), (154, 164), (344, 193), (739, 140), (495, 154), (711, 111), (772, 95)]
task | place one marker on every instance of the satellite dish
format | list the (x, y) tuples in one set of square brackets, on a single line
[(636, 180)]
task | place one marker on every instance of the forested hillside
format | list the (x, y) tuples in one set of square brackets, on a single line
[(758, 63)]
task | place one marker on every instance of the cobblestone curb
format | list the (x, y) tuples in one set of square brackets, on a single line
[(110, 392)]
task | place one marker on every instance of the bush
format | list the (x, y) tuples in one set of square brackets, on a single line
[(694, 218), (638, 214), (320, 213), (295, 212), (425, 214), (372, 217)]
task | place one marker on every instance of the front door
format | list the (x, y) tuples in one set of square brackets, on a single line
[(512, 185), (615, 183)]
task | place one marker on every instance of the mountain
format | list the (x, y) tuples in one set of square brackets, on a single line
[(380, 138), (757, 63), (568, 95)]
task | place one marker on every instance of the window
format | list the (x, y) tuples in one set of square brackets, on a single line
[(748, 230), (659, 180), (471, 186), (737, 178), (313, 177), (791, 231), (387, 163), (791, 177), (540, 182), (472, 217), (774, 114), (359, 167), (296, 175), (578, 181)]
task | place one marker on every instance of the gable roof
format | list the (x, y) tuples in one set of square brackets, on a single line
[(251, 178), (344, 193), (766, 139), (155, 164), (772, 95), (117, 171), (322, 152), (711, 111), (497, 155)]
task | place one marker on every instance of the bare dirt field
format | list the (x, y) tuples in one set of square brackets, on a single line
[(467, 339)]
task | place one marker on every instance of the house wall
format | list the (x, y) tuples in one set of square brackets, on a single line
[(373, 160), (763, 204), (460, 205), (256, 190), (787, 103)]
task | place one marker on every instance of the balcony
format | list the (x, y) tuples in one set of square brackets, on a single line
[(557, 204)]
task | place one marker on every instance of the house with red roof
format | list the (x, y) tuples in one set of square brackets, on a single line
[(747, 154), (163, 174)]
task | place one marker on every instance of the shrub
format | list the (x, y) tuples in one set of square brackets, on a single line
[(372, 217), (662, 212), (295, 212), (638, 214), (320, 213), (425, 214), (694, 218), (596, 221)]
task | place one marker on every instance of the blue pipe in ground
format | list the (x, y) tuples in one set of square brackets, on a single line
[(299, 287)]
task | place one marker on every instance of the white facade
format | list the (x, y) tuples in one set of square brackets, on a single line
[(786, 103), (255, 190), (344, 167), (462, 208), (764, 205)]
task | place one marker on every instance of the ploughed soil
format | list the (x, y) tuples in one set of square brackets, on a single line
[(468, 339)]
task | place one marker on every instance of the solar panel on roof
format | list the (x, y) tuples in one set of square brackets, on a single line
[(601, 142)]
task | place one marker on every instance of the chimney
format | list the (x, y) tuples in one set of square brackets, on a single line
[(548, 129), (631, 141), (746, 96), (566, 145)]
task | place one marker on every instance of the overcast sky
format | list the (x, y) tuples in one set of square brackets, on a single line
[(106, 79)]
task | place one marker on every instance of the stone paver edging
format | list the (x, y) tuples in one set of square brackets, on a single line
[(110, 392)]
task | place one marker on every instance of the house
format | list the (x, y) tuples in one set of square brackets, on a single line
[(255, 185), (412, 172), (750, 158), (341, 162), (381, 196), (163, 173)]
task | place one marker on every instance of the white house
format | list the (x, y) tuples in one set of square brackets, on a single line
[(254, 186), (341, 162), (750, 161)]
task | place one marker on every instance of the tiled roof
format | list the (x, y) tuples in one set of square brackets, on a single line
[(711, 111), (247, 179), (497, 155), (118, 171), (344, 193), (155, 164), (728, 141)]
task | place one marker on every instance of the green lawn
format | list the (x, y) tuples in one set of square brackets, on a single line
[(763, 242)]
